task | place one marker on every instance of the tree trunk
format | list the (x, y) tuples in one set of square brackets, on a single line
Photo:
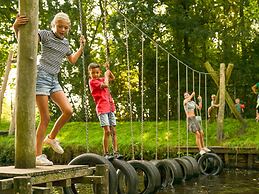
[(25, 86), (222, 89), (4, 84)]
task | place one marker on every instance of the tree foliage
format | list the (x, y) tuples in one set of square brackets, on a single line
[(189, 31)]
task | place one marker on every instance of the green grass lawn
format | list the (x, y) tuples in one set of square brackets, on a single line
[(151, 136)]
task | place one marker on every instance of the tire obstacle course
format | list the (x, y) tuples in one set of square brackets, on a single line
[(145, 177)]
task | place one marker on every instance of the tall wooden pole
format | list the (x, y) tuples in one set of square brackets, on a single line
[(222, 89), (229, 100), (25, 86)]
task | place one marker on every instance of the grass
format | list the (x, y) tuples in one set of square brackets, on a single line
[(153, 136)]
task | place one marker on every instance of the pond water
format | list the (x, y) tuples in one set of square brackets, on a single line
[(230, 181)]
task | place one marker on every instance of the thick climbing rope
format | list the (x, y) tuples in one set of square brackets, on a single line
[(129, 89), (156, 100), (107, 53), (178, 108), (206, 108), (85, 99), (168, 103), (187, 122), (142, 97)]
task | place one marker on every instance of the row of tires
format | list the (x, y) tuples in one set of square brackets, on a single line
[(145, 177)]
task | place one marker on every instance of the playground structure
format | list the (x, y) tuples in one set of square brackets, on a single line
[(25, 134)]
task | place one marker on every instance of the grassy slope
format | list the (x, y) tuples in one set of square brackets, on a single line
[(74, 135)]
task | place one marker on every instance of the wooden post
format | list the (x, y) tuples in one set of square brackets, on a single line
[(25, 86), (102, 170), (222, 89), (229, 100), (22, 185)]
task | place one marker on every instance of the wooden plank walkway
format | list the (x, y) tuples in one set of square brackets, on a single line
[(57, 175)]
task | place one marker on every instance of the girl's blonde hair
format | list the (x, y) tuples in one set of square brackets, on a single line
[(60, 16)]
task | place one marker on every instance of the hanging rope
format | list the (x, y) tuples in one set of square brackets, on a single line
[(107, 61), (200, 95), (85, 98), (206, 108), (129, 89), (168, 104), (156, 100), (187, 122), (142, 96), (107, 50), (178, 107)]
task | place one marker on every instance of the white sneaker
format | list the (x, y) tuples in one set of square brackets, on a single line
[(42, 160), (54, 143), (202, 152), (206, 149)]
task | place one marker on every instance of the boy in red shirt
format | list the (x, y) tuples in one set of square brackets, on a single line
[(105, 107)]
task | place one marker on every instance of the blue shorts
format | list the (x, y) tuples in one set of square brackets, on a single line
[(47, 83), (107, 119)]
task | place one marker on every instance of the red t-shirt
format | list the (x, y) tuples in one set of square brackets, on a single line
[(102, 97)]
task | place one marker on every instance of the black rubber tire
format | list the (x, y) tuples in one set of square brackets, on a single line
[(127, 177), (187, 168), (92, 159), (195, 165), (210, 164), (156, 174), (166, 172), (149, 182), (177, 169)]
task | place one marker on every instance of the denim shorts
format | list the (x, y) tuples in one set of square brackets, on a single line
[(107, 119), (47, 83)]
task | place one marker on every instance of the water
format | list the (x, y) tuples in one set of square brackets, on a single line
[(228, 182)]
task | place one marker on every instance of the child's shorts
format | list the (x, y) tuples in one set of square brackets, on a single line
[(107, 119), (193, 124), (47, 83)]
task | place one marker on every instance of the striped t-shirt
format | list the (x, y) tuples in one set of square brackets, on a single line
[(53, 51)]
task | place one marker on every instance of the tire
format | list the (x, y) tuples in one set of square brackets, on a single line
[(156, 174), (127, 177), (210, 164), (177, 169), (166, 172), (92, 159), (146, 176), (195, 165), (187, 168)]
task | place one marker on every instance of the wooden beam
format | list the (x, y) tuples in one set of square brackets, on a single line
[(25, 86), (22, 184), (229, 100), (222, 88)]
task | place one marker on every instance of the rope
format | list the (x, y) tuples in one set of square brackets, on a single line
[(162, 48), (168, 103), (187, 123), (206, 108), (199, 95), (85, 99), (142, 97), (179, 106), (156, 100), (107, 52), (107, 58), (129, 90)]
